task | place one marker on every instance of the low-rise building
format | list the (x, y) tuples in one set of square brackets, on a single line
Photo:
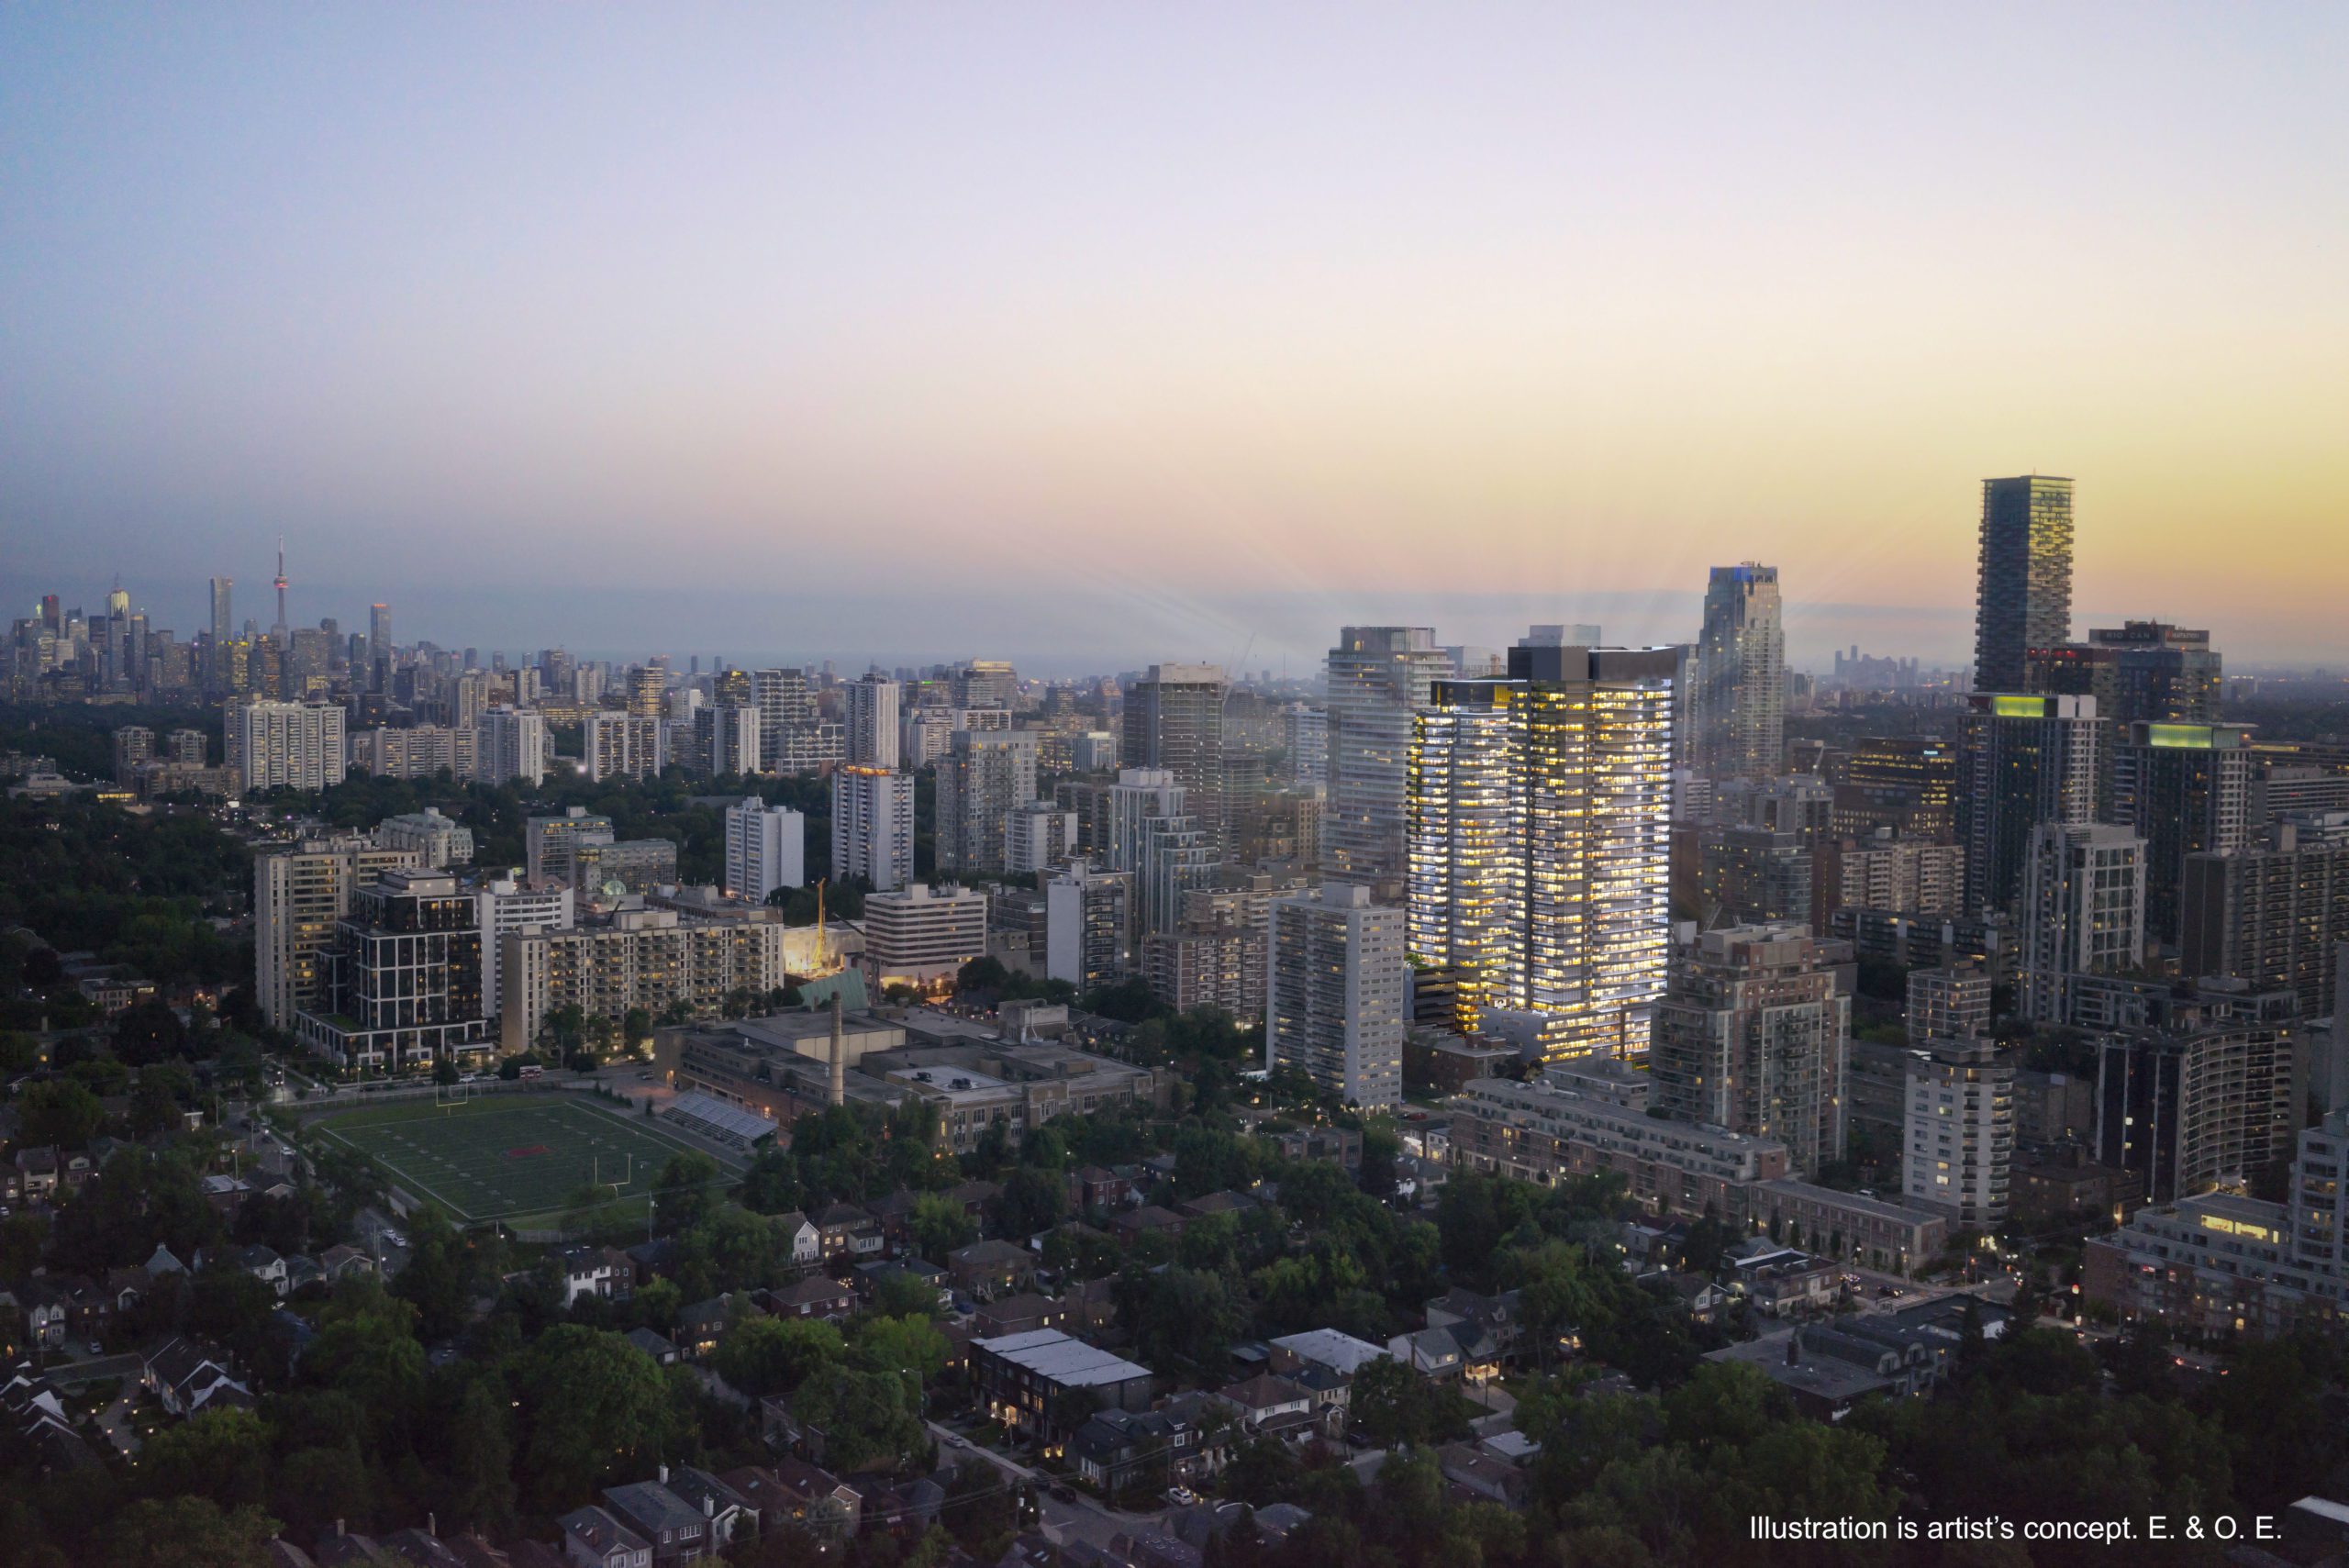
[(1048, 1383)]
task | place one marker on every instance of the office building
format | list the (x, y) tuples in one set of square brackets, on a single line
[(2024, 761), (652, 959), (300, 894), (503, 905), (2083, 913), (439, 842), (2273, 916), (1379, 676), (873, 722), (1087, 921), (1752, 1034), (1174, 721), (2185, 789), (872, 827), (2206, 1096), (224, 632), (766, 847), (625, 745), (920, 934), (404, 986), (289, 745), (1037, 838), (509, 744), (2023, 590), (986, 775), (1958, 1140), (1737, 711), (1336, 977), (550, 844)]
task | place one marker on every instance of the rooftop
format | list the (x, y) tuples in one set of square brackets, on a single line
[(1069, 1362)]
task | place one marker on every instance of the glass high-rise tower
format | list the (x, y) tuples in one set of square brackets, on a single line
[(2023, 592), (1379, 676), (1540, 810), (1739, 708)]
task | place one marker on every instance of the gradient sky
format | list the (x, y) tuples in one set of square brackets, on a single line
[(1092, 334)]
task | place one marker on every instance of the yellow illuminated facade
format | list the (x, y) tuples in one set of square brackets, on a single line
[(1539, 811)]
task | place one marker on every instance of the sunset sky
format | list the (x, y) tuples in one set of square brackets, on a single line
[(1089, 335)]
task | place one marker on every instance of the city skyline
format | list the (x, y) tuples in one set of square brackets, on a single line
[(1305, 293)]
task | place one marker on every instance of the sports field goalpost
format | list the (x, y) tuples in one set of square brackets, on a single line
[(449, 1096), (628, 1173)]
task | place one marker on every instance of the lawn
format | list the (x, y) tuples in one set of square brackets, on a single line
[(509, 1157)]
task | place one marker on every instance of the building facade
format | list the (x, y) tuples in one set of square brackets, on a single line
[(1738, 712), (1379, 677), (1336, 979), (2024, 586), (1753, 1035), (872, 827)]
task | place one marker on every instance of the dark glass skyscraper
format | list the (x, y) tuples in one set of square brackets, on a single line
[(2023, 594)]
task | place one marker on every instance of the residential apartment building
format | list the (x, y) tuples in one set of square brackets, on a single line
[(1087, 918), (1738, 710), (2083, 912), (872, 728), (510, 744), (1959, 1136), (652, 959), (1174, 721), (1539, 810), (289, 745), (1752, 1034), (766, 849), (300, 894), (402, 987), (872, 827), (986, 775), (1335, 996), (1379, 677), (2208, 1095), (2273, 916), (2024, 761), (625, 745), (2186, 790)]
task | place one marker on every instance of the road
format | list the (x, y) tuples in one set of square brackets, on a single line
[(1084, 1519)]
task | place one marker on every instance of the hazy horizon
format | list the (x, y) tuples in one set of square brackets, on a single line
[(1093, 336)]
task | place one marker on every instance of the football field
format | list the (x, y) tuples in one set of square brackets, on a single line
[(509, 1156)]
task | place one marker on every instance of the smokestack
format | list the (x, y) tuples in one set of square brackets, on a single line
[(839, 1055)]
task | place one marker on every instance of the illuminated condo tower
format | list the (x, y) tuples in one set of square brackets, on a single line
[(2023, 592), (1540, 809)]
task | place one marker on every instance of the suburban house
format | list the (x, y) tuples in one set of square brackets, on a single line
[(848, 1232), (659, 1347), (586, 1270), (594, 1539), (986, 1270), (1268, 1405), (814, 1296), (187, 1377), (676, 1529), (1024, 1314), (807, 1241)]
